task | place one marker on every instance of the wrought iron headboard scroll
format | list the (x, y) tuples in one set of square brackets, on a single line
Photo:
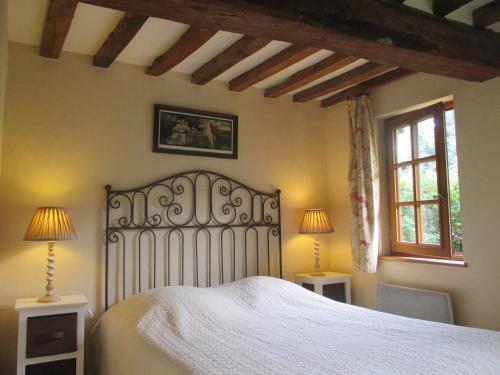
[(141, 224)]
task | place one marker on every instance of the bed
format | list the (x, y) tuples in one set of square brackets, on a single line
[(264, 325), (216, 304)]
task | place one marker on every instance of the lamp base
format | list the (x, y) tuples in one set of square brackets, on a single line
[(317, 274), (48, 299)]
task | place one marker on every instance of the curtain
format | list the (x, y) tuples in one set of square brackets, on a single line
[(363, 185)]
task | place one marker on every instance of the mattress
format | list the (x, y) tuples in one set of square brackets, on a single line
[(263, 325)]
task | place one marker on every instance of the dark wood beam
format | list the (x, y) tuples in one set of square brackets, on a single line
[(310, 74), (121, 36), (487, 14), (271, 66), (382, 31), (381, 80), (57, 24), (189, 42), (443, 7), (342, 81), (240, 50)]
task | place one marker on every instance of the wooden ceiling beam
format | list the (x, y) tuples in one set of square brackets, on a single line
[(342, 81), (487, 14), (398, 35), (57, 24), (232, 55), (444, 7), (189, 42), (271, 66), (310, 74), (116, 42), (370, 84)]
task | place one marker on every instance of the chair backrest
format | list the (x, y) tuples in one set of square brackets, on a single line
[(414, 303)]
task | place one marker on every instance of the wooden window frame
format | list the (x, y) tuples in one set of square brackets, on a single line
[(418, 249)]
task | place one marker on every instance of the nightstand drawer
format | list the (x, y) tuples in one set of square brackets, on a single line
[(333, 285), (335, 292), (52, 334), (332, 291), (64, 367)]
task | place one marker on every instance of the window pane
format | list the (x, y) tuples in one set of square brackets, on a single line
[(430, 224), (426, 141), (407, 224), (428, 180), (454, 189), (403, 144), (405, 184)]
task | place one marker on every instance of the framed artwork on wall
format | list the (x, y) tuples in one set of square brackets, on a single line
[(186, 131)]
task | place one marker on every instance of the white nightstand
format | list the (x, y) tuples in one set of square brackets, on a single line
[(51, 336), (333, 285)]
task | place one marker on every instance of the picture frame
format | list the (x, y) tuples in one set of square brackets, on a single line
[(186, 131)]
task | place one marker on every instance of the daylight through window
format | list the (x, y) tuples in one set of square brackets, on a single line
[(424, 200)]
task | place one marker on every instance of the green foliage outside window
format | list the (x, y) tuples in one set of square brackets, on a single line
[(454, 188)]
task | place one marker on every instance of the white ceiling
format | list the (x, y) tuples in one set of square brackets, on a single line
[(26, 19)]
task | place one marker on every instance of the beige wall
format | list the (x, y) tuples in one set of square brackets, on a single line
[(3, 67), (475, 290), (71, 128)]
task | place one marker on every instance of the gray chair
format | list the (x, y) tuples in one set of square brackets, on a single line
[(414, 303)]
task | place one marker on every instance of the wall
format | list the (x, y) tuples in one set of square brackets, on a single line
[(71, 128), (3, 67), (475, 289)]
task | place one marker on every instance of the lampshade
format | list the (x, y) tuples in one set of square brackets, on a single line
[(316, 221), (50, 224)]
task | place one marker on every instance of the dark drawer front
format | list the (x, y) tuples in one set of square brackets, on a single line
[(308, 286), (65, 367), (48, 335), (335, 292)]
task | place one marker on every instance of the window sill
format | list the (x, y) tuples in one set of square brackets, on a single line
[(442, 262)]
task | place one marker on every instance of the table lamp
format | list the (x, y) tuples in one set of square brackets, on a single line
[(50, 224), (316, 221)]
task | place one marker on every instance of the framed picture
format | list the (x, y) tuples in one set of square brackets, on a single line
[(191, 132)]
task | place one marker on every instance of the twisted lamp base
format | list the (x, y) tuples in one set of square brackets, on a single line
[(49, 288), (317, 266)]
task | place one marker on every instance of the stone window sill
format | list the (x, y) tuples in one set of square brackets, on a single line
[(442, 262)]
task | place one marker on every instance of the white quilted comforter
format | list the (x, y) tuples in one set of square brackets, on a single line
[(262, 325)]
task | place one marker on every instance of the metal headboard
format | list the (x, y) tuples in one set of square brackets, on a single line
[(141, 224)]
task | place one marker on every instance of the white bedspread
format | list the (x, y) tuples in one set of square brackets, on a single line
[(262, 325)]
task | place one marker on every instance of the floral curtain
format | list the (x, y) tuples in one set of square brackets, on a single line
[(363, 185)]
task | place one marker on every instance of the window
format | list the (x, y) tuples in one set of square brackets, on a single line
[(424, 195)]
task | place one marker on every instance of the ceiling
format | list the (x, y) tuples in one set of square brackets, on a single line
[(26, 19)]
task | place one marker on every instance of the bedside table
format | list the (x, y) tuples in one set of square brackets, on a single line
[(333, 285), (51, 336)]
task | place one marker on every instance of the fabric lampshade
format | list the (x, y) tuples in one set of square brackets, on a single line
[(316, 221), (50, 224)]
